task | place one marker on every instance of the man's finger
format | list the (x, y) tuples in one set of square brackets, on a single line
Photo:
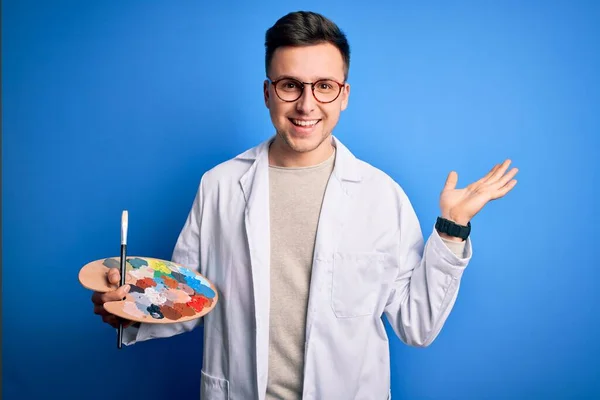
[(116, 295), (114, 276), (451, 181), (500, 171), (506, 178), (504, 189), (490, 172)]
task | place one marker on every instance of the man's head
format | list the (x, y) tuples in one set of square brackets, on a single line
[(305, 47)]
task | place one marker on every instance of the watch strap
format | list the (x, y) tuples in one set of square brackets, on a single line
[(453, 229)]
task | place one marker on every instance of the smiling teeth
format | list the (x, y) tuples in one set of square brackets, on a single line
[(305, 123)]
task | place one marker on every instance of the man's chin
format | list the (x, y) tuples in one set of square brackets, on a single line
[(304, 144)]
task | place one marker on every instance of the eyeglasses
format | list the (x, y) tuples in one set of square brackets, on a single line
[(324, 90)]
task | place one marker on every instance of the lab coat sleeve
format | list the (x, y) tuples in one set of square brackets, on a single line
[(186, 253), (427, 281)]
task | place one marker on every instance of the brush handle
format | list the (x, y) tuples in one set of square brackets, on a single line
[(123, 263), (120, 337), (123, 272)]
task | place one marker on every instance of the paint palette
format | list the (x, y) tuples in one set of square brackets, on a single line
[(162, 292)]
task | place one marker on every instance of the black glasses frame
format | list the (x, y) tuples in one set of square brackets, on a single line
[(303, 85)]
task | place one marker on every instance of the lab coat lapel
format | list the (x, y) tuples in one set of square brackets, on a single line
[(255, 185)]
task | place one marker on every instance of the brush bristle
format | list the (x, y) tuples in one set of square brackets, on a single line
[(124, 226)]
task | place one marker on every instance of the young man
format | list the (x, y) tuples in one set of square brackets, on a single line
[(309, 246)]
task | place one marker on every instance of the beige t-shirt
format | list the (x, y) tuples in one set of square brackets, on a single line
[(296, 196)]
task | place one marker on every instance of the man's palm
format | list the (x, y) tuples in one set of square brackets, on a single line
[(461, 205)]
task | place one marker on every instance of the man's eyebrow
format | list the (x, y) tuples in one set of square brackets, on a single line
[(300, 80)]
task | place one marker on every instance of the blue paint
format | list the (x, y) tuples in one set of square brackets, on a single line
[(160, 286), (200, 288), (155, 312), (137, 262), (187, 273), (111, 263)]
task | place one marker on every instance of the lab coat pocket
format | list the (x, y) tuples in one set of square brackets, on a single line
[(212, 388), (356, 283)]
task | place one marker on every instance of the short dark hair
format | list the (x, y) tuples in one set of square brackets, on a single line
[(303, 28)]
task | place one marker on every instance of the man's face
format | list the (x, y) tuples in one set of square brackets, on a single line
[(305, 124)]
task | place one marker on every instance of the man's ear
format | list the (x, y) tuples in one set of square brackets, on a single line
[(346, 95), (266, 92)]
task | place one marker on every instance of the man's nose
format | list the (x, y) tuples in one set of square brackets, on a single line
[(307, 102)]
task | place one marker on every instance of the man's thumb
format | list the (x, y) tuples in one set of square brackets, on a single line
[(451, 181)]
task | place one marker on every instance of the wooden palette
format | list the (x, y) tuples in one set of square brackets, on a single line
[(162, 292)]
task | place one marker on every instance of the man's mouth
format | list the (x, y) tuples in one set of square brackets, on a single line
[(304, 122)]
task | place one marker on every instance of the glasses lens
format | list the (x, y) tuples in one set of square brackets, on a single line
[(326, 90), (289, 89)]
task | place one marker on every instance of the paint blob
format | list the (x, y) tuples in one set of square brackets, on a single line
[(137, 262), (132, 309), (135, 289), (170, 312), (184, 309), (112, 263), (145, 283), (198, 302), (186, 289), (177, 296), (155, 312)]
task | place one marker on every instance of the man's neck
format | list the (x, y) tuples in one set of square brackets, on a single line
[(281, 155)]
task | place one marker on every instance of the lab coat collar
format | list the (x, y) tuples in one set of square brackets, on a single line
[(346, 164)]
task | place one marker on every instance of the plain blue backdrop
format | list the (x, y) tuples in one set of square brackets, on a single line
[(116, 105)]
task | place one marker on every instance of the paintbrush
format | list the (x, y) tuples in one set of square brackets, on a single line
[(124, 225)]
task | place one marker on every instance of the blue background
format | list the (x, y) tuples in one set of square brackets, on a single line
[(123, 105)]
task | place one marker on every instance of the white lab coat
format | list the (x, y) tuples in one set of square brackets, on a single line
[(369, 259)]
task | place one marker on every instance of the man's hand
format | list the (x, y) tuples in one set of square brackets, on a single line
[(114, 277), (461, 205)]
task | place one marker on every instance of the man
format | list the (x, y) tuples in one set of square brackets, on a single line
[(309, 246)]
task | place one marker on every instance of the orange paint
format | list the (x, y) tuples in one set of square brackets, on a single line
[(170, 282), (145, 283), (184, 309)]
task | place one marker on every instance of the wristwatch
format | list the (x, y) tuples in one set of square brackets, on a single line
[(450, 228)]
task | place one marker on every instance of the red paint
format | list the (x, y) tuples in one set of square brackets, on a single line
[(198, 302), (145, 283)]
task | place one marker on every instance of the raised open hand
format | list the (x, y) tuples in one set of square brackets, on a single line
[(461, 205)]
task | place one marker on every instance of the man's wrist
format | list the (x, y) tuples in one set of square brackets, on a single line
[(457, 219), (451, 238), (453, 228)]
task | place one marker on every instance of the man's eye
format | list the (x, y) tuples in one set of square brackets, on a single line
[(289, 85), (324, 86)]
